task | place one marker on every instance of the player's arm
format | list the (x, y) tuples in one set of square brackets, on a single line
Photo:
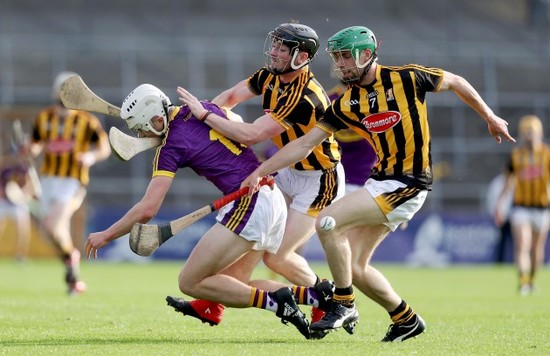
[(101, 149), (248, 134), (142, 212), (291, 153), (498, 127), (509, 184), (235, 95)]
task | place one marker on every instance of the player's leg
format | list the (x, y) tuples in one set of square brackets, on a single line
[(307, 194), (60, 199), (363, 241), (522, 254), (363, 219), (201, 278), (370, 281), (353, 210), (233, 236), (540, 235), (23, 223), (287, 262), (211, 312)]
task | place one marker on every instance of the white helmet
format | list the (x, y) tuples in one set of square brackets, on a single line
[(141, 105)]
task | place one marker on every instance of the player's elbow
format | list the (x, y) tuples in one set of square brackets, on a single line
[(250, 137), (249, 140), (146, 213)]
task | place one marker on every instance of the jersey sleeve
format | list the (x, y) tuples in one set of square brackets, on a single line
[(331, 122), (98, 134), (428, 79), (257, 80)]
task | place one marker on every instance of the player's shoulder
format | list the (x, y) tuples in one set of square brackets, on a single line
[(411, 67)]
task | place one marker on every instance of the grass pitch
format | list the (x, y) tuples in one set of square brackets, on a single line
[(469, 310)]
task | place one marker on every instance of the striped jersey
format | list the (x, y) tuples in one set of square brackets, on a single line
[(391, 113), (358, 156), (65, 137), (192, 143), (531, 170), (297, 106)]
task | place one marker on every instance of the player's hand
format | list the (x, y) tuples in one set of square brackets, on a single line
[(499, 217), (498, 128), (87, 159), (192, 102), (252, 182), (95, 241)]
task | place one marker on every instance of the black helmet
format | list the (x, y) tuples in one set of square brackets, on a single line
[(298, 38)]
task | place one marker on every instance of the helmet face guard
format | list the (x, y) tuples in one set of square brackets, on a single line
[(282, 46), (350, 43), (142, 105), (351, 73), (276, 58)]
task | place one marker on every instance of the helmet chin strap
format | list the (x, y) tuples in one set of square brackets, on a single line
[(366, 67), (296, 67), (164, 129), (292, 66)]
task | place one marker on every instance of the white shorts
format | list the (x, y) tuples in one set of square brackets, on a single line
[(57, 189), (397, 201), (261, 218), (539, 219), (311, 191)]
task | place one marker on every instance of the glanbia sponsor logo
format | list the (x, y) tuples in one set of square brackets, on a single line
[(381, 122)]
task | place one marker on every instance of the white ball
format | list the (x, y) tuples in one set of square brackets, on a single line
[(327, 223)]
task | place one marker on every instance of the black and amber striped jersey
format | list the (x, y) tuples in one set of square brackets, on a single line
[(297, 106), (64, 138), (391, 113), (531, 170)]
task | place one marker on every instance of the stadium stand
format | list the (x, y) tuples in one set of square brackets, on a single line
[(501, 46)]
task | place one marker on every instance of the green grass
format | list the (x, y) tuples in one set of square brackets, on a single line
[(472, 310)]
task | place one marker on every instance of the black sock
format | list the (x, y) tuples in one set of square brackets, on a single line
[(344, 296), (402, 314)]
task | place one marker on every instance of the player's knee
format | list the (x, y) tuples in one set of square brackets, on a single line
[(357, 271), (274, 262), (185, 286), (187, 283)]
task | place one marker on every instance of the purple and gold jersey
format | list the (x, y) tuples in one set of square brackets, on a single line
[(297, 106), (391, 113), (532, 172), (191, 143)]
